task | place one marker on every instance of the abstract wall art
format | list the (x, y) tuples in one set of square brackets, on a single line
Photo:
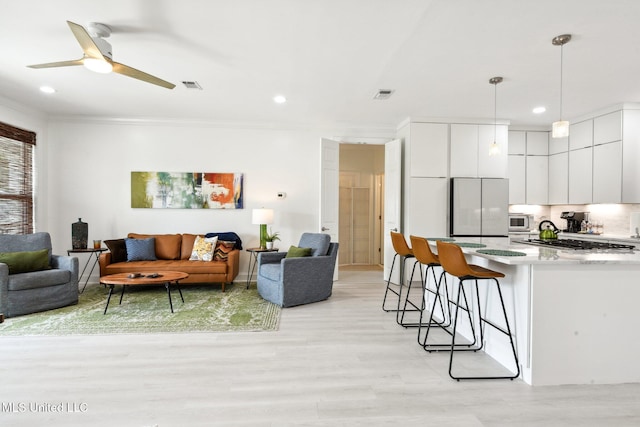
[(187, 190)]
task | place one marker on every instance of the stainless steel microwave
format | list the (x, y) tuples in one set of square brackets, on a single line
[(520, 222)]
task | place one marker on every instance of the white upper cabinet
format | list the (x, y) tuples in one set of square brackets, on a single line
[(529, 174), (470, 145), (631, 157), (537, 143), (492, 166), (517, 142), (607, 158), (607, 128), (464, 150), (581, 176), (607, 173), (517, 179), (581, 135), (537, 180), (428, 145), (559, 179), (558, 145)]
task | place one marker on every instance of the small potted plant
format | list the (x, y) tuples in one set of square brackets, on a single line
[(271, 237)]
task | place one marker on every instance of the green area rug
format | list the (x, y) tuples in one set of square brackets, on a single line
[(145, 309)]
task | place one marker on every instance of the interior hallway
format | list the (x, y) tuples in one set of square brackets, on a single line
[(341, 362)]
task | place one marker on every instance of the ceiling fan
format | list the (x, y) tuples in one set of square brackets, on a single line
[(97, 55)]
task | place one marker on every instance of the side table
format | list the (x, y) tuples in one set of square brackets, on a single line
[(253, 261), (94, 254)]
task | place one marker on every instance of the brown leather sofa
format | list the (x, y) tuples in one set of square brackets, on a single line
[(172, 252)]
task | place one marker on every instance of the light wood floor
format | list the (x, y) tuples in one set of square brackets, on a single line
[(342, 362)]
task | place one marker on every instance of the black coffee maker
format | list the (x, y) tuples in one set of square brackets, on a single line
[(574, 220)]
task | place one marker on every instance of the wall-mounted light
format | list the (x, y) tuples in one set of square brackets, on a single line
[(560, 129), (494, 148)]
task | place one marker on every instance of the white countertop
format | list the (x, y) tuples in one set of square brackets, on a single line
[(544, 255)]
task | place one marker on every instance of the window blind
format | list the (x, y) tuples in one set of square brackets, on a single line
[(16, 180)]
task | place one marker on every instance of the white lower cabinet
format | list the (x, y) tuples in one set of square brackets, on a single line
[(607, 173), (581, 176), (559, 178)]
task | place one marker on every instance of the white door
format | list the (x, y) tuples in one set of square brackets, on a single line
[(392, 202), (329, 190)]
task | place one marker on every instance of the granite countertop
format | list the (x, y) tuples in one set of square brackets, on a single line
[(544, 255)]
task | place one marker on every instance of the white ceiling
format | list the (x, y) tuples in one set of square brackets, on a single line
[(328, 57)]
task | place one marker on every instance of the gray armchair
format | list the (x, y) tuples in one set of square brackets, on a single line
[(24, 293), (295, 281)]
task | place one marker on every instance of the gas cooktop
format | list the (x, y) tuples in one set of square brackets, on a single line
[(575, 244)]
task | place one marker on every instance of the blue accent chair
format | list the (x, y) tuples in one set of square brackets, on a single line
[(289, 282), (24, 293)]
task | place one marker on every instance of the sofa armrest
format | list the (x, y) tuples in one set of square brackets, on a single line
[(233, 264), (104, 261), (63, 262)]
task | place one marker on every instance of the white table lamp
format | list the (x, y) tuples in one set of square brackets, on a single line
[(262, 217)]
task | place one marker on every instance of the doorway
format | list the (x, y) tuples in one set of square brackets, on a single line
[(361, 201)]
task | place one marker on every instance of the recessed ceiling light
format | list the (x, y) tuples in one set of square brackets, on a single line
[(539, 110), (47, 89), (279, 99)]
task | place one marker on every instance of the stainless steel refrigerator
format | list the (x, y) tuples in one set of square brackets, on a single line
[(479, 207)]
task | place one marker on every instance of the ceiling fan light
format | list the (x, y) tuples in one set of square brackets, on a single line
[(98, 65), (560, 129)]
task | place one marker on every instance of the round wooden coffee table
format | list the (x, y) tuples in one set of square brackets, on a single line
[(166, 278)]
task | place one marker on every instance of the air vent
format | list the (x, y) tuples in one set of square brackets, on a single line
[(192, 85), (383, 94)]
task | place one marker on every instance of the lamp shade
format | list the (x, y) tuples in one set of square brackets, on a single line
[(560, 129), (262, 216)]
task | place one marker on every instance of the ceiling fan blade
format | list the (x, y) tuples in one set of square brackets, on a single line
[(89, 47), (58, 64), (140, 75)]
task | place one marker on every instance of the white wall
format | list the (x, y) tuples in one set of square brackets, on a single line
[(90, 161)]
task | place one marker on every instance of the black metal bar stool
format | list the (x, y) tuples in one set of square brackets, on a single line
[(404, 252), (428, 259), (454, 263)]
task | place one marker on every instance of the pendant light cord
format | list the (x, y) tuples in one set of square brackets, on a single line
[(495, 112), (561, 62)]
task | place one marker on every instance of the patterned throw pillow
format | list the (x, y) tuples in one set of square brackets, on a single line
[(141, 249), (222, 250), (203, 248)]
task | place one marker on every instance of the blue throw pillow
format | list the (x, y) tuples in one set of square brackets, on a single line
[(141, 249)]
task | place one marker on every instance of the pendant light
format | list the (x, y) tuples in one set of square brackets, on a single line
[(560, 129), (494, 149)]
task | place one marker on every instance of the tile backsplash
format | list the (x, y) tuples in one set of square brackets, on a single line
[(616, 218)]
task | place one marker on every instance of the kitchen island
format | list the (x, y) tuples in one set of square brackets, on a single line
[(573, 313)]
